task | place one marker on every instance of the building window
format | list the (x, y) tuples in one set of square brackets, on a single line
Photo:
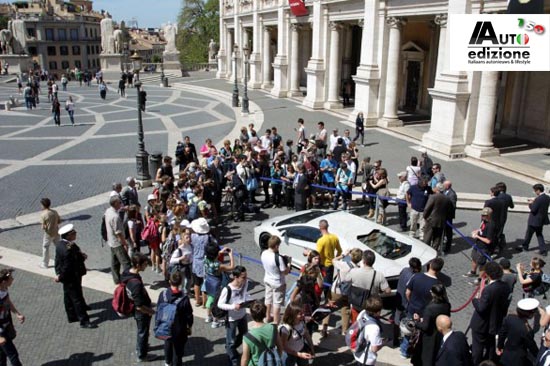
[(76, 50), (77, 64), (89, 64), (51, 51), (88, 49), (74, 34), (64, 65), (33, 51), (97, 49), (49, 34), (93, 63), (52, 65), (86, 32), (63, 50), (31, 32), (62, 34)]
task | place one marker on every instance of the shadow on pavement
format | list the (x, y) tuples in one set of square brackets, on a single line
[(80, 359), (105, 314)]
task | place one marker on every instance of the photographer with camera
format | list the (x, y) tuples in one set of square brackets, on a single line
[(276, 267)]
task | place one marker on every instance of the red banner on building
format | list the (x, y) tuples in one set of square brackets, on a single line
[(298, 7)]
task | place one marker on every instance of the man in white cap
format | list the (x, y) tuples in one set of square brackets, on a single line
[(69, 269)]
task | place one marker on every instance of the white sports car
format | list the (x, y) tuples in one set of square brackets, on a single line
[(300, 230)]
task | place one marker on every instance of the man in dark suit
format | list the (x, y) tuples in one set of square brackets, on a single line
[(489, 311), (508, 203), (499, 210), (436, 213), (129, 194), (300, 188), (449, 192), (69, 269), (454, 349), (538, 217)]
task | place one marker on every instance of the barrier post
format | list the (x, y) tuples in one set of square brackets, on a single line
[(377, 208), (240, 259)]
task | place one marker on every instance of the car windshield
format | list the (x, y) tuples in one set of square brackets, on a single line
[(301, 219), (385, 245)]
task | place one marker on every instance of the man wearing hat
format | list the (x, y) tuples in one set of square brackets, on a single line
[(484, 238), (404, 187), (69, 269), (515, 339)]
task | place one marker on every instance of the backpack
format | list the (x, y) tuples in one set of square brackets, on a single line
[(122, 303), (269, 356), (102, 87), (355, 336), (151, 232), (165, 317), (543, 287), (103, 229), (216, 311)]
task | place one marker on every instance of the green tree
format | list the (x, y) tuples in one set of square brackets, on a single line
[(4, 22), (198, 22)]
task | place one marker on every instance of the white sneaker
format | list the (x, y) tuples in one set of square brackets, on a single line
[(42, 265), (208, 319), (215, 324)]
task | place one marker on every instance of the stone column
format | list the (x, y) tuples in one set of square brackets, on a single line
[(280, 64), (244, 44), (367, 78), (222, 60), (229, 45), (266, 62), (450, 96), (485, 122), (316, 66), (255, 81), (334, 67), (441, 21), (517, 102), (392, 74), (294, 62)]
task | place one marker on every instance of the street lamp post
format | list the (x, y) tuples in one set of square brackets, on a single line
[(136, 63), (245, 91), (162, 72), (142, 157), (235, 102)]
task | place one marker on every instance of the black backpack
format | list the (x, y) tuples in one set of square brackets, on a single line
[(216, 311)]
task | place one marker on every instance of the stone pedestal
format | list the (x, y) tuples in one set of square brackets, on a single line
[(315, 81), (280, 67), (111, 66), (18, 64), (171, 61)]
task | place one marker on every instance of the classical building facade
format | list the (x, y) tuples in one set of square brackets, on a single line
[(61, 35), (392, 57)]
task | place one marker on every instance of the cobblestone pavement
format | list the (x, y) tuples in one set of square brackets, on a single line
[(68, 166)]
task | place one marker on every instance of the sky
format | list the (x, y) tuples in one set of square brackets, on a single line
[(149, 13)]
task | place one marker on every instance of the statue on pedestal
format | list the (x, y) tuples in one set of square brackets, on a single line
[(212, 51), (107, 39), (170, 31)]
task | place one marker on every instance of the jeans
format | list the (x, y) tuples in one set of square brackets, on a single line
[(234, 340), (404, 346), (173, 351), (56, 118), (46, 242), (345, 197), (9, 352), (359, 132), (118, 257), (71, 116), (143, 322), (277, 197)]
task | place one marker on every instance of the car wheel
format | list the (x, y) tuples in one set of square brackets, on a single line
[(264, 237)]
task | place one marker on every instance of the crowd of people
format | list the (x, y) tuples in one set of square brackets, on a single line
[(178, 228)]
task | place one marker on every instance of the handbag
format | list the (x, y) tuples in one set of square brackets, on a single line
[(251, 184), (359, 295)]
